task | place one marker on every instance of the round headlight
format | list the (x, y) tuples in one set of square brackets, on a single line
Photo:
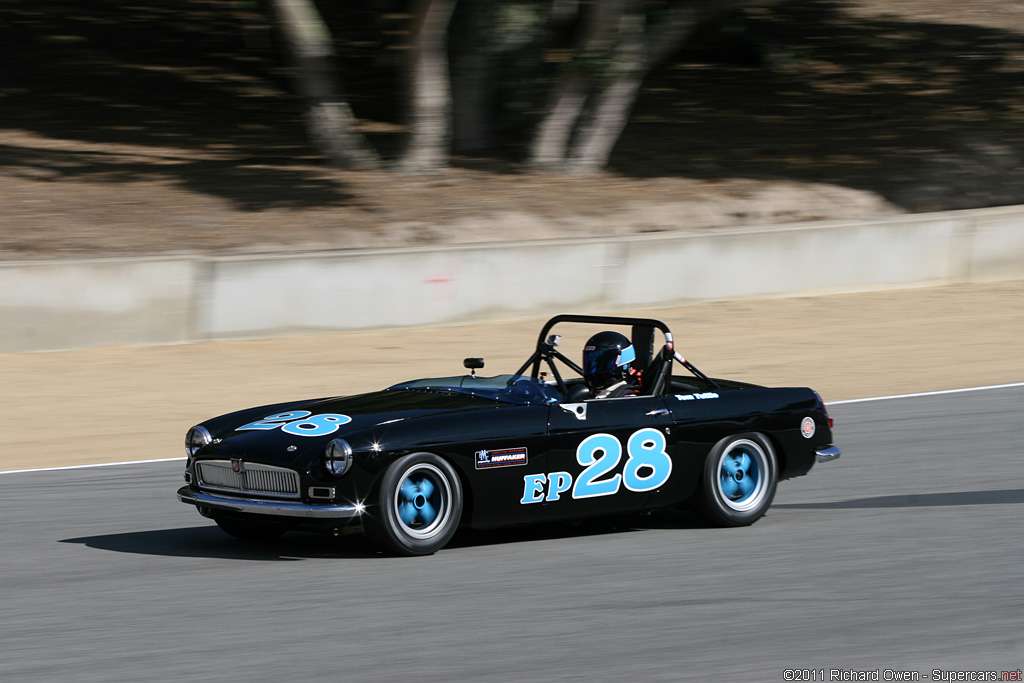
[(196, 438), (338, 457)]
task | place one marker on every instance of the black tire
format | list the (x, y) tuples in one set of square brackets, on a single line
[(250, 529), (739, 480), (419, 506)]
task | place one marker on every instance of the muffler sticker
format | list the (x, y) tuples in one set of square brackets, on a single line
[(504, 457)]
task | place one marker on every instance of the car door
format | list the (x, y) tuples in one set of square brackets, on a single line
[(493, 449), (604, 456)]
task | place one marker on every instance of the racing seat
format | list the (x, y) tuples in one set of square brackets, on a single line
[(577, 393), (657, 376)]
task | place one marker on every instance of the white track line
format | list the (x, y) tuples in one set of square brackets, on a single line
[(830, 403), (927, 393), (84, 467)]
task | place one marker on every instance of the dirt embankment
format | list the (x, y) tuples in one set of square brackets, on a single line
[(129, 128)]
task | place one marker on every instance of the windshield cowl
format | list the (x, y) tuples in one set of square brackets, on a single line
[(514, 389)]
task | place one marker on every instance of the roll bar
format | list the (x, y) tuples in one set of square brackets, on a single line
[(643, 329)]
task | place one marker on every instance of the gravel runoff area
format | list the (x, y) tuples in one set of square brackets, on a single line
[(116, 404)]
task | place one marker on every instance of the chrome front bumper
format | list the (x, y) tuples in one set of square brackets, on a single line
[(826, 454), (277, 508)]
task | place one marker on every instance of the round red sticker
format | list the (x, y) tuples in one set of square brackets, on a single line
[(807, 427)]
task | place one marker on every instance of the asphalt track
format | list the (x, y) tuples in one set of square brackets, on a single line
[(905, 554)]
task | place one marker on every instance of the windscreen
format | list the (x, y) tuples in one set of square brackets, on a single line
[(515, 389)]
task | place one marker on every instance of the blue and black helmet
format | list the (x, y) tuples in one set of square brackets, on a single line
[(606, 359)]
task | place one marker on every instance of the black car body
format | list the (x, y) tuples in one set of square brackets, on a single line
[(410, 463)]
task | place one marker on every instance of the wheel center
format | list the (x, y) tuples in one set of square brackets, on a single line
[(419, 501), (739, 475)]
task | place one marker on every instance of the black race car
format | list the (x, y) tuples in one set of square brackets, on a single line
[(553, 441)]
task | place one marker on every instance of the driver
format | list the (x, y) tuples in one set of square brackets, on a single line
[(606, 366)]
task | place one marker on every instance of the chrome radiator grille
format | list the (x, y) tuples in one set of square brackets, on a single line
[(251, 478)]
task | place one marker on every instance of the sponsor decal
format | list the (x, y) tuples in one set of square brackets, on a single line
[(503, 457), (807, 427), (697, 397)]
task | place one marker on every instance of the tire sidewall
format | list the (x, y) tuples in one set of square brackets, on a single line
[(389, 531), (714, 503)]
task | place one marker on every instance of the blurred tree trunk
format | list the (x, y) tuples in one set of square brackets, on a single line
[(472, 79), (430, 96), (329, 119), (552, 139), (619, 48), (614, 102), (551, 143)]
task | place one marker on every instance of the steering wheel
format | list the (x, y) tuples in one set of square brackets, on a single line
[(527, 391)]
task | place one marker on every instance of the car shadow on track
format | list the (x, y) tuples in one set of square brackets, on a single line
[(602, 526), (211, 542), (914, 500)]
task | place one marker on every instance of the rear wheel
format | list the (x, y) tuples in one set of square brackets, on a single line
[(739, 481), (419, 506), (250, 529)]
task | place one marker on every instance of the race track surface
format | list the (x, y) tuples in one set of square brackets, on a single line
[(904, 554)]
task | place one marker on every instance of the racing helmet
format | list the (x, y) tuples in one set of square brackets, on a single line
[(606, 359)]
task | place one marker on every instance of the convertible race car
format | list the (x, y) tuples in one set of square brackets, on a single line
[(553, 441)]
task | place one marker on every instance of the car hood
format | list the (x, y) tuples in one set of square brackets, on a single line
[(298, 428)]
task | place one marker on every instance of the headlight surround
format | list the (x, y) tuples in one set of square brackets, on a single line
[(338, 457), (196, 438)]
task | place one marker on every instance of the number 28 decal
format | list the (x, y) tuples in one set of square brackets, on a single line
[(647, 467), (300, 423)]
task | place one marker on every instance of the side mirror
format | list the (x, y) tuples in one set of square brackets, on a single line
[(473, 364)]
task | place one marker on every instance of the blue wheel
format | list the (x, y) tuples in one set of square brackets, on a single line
[(423, 501), (740, 477), (420, 505)]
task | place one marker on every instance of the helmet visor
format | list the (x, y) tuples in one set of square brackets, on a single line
[(604, 361)]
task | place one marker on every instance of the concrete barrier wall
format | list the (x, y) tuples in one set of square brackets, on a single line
[(260, 295), (832, 256), (50, 305), (46, 305), (995, 246)]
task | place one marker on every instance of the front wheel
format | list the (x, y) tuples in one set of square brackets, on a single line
[(739, 481), (420, 504)]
